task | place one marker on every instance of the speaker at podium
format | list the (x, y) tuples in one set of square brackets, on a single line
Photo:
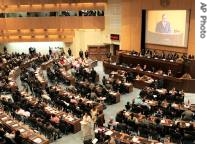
[(173, 39)]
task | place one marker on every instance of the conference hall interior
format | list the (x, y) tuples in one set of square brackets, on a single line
[(97, 72)]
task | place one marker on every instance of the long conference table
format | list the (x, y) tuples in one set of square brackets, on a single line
[(125, 138), (188, 85), (164, 121), (165, 65), (26, 132)]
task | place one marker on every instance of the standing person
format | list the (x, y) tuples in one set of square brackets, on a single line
[(93, 75), (94, 113), (50, 51), (86, 54), (5, 49), (81, 54), (69, 52), (86, 126), (163, 26)]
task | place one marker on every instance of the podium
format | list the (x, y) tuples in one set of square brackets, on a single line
[(174, 39)]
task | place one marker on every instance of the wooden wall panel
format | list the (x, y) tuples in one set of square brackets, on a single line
[(22, 35), (191, 43), (131, 23), (12, 2), (52, 7), (54, 22), (135, 22), (126, 26), (36, 39)]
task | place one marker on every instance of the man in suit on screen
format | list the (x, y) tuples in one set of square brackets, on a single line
[(163, 26)]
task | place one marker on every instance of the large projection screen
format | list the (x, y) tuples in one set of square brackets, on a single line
[(167, 27)]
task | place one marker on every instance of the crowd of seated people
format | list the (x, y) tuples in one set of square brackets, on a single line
[(171, 103), (116, 84), (146, 129), (172, 95), (28, 77), (147, 117), (95, 91), (86, 73), (78, 99), (18, 110), (119, 80), (73, 98), (85, 81), (56, 74), (9, 137), (31, 113), (70, 101), (109, 136), (90, 90), (7, 63), (125, 78), (155, 126), (78, 70), (34, 112)]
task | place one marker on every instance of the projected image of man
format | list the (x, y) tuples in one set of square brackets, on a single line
[(163, 26)]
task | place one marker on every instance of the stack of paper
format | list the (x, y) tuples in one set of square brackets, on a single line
[(37, 140), (108, 132)]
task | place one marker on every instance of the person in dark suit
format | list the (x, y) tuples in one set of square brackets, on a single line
[(18, 138), (86, 54), (50, 51), (5, 49), (187, 115), (81, 54), (163, 26), (93, 75), (69, 52)]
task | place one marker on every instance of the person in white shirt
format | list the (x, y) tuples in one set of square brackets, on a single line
[(144, 103), (87, 125), (94, 113), (10, 136), (86, 118), (22, 112)]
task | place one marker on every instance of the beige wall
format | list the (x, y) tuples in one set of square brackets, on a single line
[(112, 20), (131, 23), (23, 47), (85, 37)]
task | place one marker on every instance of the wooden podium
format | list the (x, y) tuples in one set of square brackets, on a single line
[(174, 39)]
